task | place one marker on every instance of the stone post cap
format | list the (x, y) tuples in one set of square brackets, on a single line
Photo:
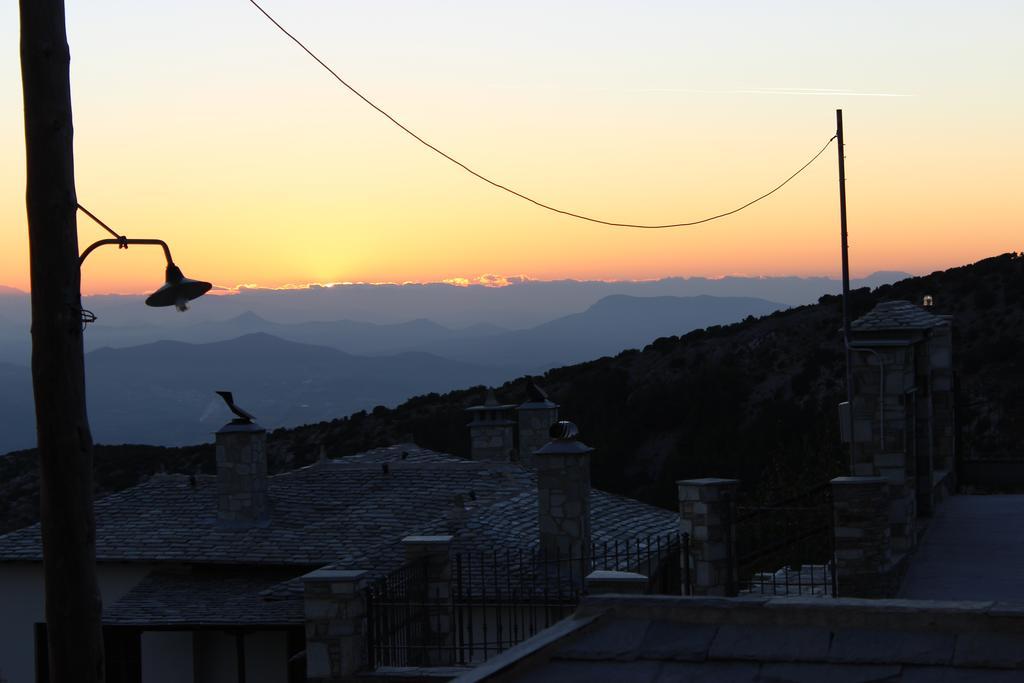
[(708, 481), (613, 582), (427, 540), (610, 576), (334, 575), (863, 481)]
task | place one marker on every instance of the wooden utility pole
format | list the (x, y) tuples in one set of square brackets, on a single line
[(73, 605), (846, 274)]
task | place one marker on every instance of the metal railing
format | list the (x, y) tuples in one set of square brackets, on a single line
[(491, 601), (784, 547)]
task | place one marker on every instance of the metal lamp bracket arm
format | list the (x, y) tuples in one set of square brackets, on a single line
[(122, 243)]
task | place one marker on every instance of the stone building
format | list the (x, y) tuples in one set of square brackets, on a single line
[(244, 576)]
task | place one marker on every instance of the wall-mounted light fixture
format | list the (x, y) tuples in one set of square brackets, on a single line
[(177, 289)]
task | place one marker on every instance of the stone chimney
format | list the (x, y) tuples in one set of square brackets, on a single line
[(492, 429), (534, 419), (242, 475), (563, 493)]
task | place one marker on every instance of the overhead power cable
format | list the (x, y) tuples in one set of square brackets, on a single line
[(505, 187)]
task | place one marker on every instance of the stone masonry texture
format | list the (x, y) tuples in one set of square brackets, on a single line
[(242, 476), (864, 563), (703, 515), (563, 510)]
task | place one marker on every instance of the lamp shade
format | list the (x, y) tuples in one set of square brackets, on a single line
[(178, 290)]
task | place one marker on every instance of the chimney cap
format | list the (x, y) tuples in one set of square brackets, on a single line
[(563, 441), (235, 427), (491, 403), (563, 430)]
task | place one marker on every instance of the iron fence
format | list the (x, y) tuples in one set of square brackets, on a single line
[(489, 602), (783, 548), (397, 616)]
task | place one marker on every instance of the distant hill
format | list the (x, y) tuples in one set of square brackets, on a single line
[(611, 325), (350, 336), (17, 410), (524, 304), (755, 399), (160, 392), (163, 392)]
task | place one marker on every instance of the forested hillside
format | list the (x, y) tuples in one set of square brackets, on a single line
[(755, 400)]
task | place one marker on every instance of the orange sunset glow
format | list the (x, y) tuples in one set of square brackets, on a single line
[(206, 127)]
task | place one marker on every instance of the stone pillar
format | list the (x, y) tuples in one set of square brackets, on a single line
[(563, 494), (883, 376), (335, 608), (705, 514), (602, 582), (242, 475), (863, 545), (492, 431), (534, 420), (433, 555)]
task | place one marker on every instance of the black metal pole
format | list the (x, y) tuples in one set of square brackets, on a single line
[(846, 276)]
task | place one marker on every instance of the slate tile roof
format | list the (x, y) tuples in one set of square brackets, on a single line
[(896, 315), (346, 514), (203, 598), (658, 638)]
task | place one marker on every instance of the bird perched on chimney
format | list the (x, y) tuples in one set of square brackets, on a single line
[(534, 394), (244, 417)]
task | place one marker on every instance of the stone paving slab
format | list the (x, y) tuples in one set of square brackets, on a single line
[(1001, 650), (828, 673), (618, 639), (973, 550), (930, 674), (780, 643), (674, 641), (865, 646)]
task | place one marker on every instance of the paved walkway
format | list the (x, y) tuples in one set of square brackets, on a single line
[(973, 550)]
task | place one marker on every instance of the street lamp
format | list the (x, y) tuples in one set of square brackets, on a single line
[(177, 289)]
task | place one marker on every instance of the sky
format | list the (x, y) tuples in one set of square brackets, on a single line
[(199, 123)]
